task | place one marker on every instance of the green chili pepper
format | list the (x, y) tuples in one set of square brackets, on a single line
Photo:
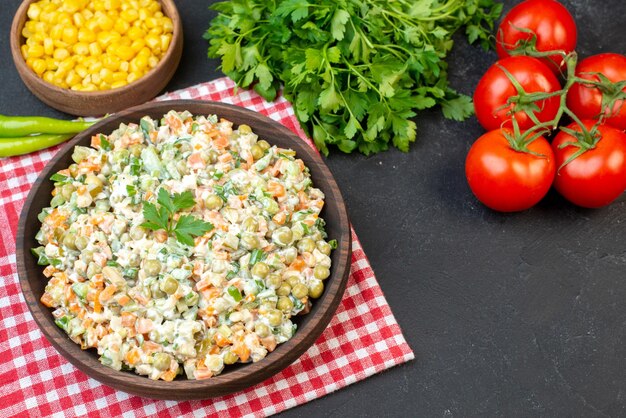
[(17, 126), (10, 147)]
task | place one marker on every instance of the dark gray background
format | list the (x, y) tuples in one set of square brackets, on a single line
[(509, 315)]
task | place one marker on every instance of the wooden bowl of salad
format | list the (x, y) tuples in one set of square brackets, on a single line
[(214, 306), (99, 63)]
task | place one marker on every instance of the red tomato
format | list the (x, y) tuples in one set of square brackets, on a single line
[(598, 176), (507, 180), (586, 101), (494, 89), (552, 24)]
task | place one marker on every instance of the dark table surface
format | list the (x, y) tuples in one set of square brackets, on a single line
[(510, 315)]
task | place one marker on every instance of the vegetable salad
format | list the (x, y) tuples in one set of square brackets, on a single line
[(182, 245)]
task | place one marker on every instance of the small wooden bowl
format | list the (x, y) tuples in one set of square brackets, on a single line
[(234, 378), (99, 102)]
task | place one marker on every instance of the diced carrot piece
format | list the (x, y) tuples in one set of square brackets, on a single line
[(242, 351), (195, 160), (280, 218), (298, 264), (123, 300), (46, 299), (97, 306), (204, 373), (269, 343), (168, 376), (133, 356), (107, 293), (225, 158), (150, 347), (95, 141), (49, 270), (128, 319), (275, 189), (203, 284), (221, 341), (144, 325)]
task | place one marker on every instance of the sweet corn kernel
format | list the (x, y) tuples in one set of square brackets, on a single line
[(119, 76), (70, 34), (48, 46), (165, 42), (124, 52), (86, 35), (60, 54), (133, 77), (112, 4), (124, 66), (72, 78), (39, 66), (121, 26), (81, 70), (129, 15), (153, 61), (48, 76), (34, 11), (106, 75), (90, 87), (78, 19), (95, 49), (135, 33), (24, 50), (137, 45), (52, 64), (81, 48), (118, 84), (153, 42)]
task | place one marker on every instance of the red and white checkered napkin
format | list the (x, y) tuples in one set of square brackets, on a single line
[(362, 339)]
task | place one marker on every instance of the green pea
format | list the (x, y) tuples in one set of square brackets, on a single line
[(103, 205), (152, 267), (93, 269), (169, 285), (316, 288), (182, 167), (262, 330), (290, 254), (250, 241), (284, 304), (80, 153), (134, 260), (81, 242), (263, 144), (136, 149), (283, 290), (300, 290), (73, 170), (324, 247), (250, 225), (213, 202), (66, 191), (321, 272), (193, 299), (57, 200), (69, 240), (275, 317), (161, 361), (120, 155), (137, 232), (230, 357), (268, 303), (94, 184), (87, 256), (274, 280), (306, 245), (257, 152), (245, 129), (293, 280), (158, 294), (283, 235), (212, 157), (260, 269)]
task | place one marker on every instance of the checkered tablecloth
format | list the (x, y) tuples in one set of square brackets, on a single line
[(363, 338)]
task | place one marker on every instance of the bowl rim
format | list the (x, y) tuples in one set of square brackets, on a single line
[(24, 70), (245, 375)]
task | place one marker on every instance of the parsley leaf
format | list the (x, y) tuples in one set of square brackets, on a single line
[(188, 227), (185, 228), (356, 71)]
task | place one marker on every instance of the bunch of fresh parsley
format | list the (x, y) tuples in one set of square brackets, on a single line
[(356, 71), (162, 217)]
